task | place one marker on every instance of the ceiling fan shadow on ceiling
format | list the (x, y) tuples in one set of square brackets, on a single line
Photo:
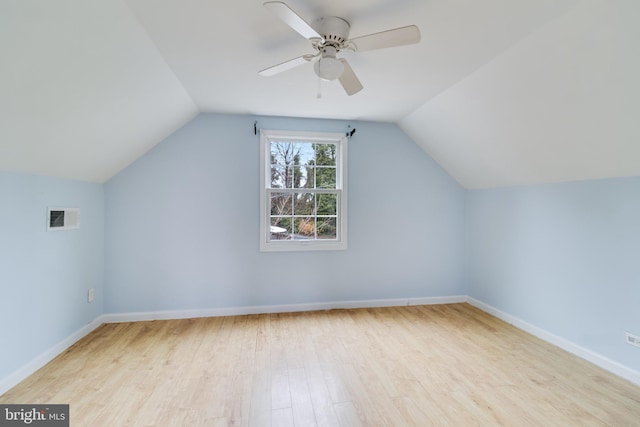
[(328, 38)]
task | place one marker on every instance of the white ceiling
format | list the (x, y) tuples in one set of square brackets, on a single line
[(560, 105), (499, 92), (84, 91)]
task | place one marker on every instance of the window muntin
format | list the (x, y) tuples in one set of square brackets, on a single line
[(303, 191)]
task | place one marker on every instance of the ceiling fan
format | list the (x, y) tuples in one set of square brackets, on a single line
[(329, 36)]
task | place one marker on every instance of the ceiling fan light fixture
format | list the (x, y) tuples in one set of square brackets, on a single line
[(328, 68)]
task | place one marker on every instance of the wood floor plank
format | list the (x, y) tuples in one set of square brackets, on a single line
[(323, 409), (443, 365), (301, 402), (348, 415), (282, 418), (280, 390)]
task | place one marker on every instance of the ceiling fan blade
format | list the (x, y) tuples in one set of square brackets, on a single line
[(390, 38), (349, 80), (286, 65), (292, 19)]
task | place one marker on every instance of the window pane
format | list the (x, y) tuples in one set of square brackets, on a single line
[(281, 177), (304, 204), (300, 179), (326, 177), (305, 228), (311, 177), (280, 228), (304, 152), (325, 154), (327, 204), (327, 228), (281, 153), (281, 204), (288, 177), (284, 156)]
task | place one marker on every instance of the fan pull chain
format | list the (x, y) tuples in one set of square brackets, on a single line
[(319, 95)]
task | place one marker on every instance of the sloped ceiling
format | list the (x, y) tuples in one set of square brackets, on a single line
[(499, 92), (84, 91), (560, 105)]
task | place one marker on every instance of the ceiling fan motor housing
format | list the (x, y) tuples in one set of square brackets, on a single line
[(334, 31)]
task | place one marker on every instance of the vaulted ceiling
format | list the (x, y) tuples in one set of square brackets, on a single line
[(499, 92)]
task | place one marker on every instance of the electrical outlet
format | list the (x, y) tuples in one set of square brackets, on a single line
[(632, 339), (90, 295)]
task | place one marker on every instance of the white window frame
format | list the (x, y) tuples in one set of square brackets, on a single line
[(340, 139)]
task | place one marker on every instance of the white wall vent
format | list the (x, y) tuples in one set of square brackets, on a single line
[(632, 339), (63, 218)]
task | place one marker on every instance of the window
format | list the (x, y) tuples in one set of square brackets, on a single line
[(303, 191)]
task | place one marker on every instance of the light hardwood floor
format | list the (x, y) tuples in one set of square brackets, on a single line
[(446, 365)]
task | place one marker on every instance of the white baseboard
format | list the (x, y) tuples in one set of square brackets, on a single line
[(588, 355), (38, 362), (455, 299), (285, 308)]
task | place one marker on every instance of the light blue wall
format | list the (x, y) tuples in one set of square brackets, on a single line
[(44, 276), (178, 229), (563, 257), (182, 223)]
